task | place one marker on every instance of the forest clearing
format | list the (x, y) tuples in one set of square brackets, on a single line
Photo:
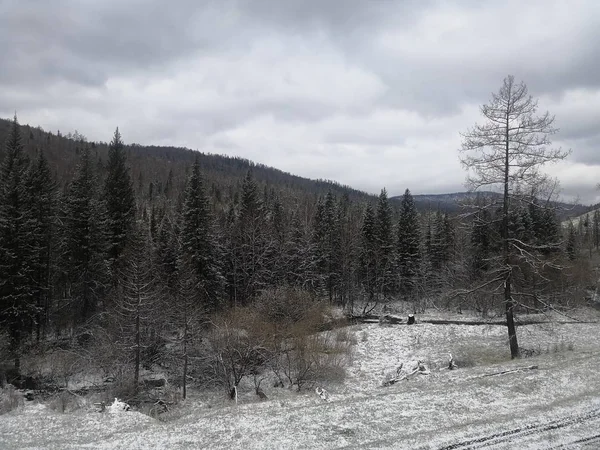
[(473, 406)]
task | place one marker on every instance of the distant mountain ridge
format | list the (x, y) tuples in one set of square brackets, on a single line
[(452, 202), (154, 168)]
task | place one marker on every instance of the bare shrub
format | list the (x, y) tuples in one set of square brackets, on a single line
[(305, 359), (10, 399), (345, 334), (65, 401), (288, 305), (280, 333), (65, 364), (239, 344)]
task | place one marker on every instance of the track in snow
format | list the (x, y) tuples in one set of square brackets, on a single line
[(529, 432)]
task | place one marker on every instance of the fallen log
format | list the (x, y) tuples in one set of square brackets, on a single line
[(399, 321), (521, 369)]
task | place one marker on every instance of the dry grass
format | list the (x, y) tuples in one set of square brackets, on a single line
[(10, 399), (65, 402)]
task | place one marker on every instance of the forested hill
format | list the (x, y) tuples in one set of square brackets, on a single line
[(163, 170), (452, 203)]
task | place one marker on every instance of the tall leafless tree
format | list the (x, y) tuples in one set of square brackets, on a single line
[(507, 151)]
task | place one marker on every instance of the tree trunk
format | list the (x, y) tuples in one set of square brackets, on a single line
[(136, 375), (508, 301), (185, 356)]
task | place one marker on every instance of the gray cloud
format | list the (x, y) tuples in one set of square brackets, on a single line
[(369, 93)]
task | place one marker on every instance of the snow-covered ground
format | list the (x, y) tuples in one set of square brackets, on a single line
[(556, 404)]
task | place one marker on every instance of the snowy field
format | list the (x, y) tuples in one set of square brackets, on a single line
[(556, 405)]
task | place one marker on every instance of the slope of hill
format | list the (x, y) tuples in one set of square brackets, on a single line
[(158, 168)]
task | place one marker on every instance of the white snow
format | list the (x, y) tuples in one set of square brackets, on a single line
[(430, 411), (118, 407)]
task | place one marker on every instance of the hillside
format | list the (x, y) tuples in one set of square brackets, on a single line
[(576, 219), (159, 168), (451, 203)]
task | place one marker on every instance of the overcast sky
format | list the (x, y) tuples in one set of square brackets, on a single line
[(369, 93)]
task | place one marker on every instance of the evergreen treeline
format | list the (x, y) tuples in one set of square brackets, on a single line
[(101, 250)]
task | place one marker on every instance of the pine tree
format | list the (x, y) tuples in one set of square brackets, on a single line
[(199, 244), (17, 267), (408, 245), (119, 201)]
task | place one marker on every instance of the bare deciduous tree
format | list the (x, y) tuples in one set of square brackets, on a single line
[(507, 151)]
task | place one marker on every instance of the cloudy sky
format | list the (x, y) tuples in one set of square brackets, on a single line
[(370, 93)]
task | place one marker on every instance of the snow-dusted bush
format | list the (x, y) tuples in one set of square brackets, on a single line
[(280, 333), (239, 344)]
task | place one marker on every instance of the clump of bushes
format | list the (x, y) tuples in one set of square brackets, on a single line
[(279, 334)]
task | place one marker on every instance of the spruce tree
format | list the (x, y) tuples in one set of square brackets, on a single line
[(408, 245), (119, 202), (17, 266), (199, 245), (300, 256), (328, 244), (385, 243), (368, 256), (41, 192), (250, 242), (83, 245)]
